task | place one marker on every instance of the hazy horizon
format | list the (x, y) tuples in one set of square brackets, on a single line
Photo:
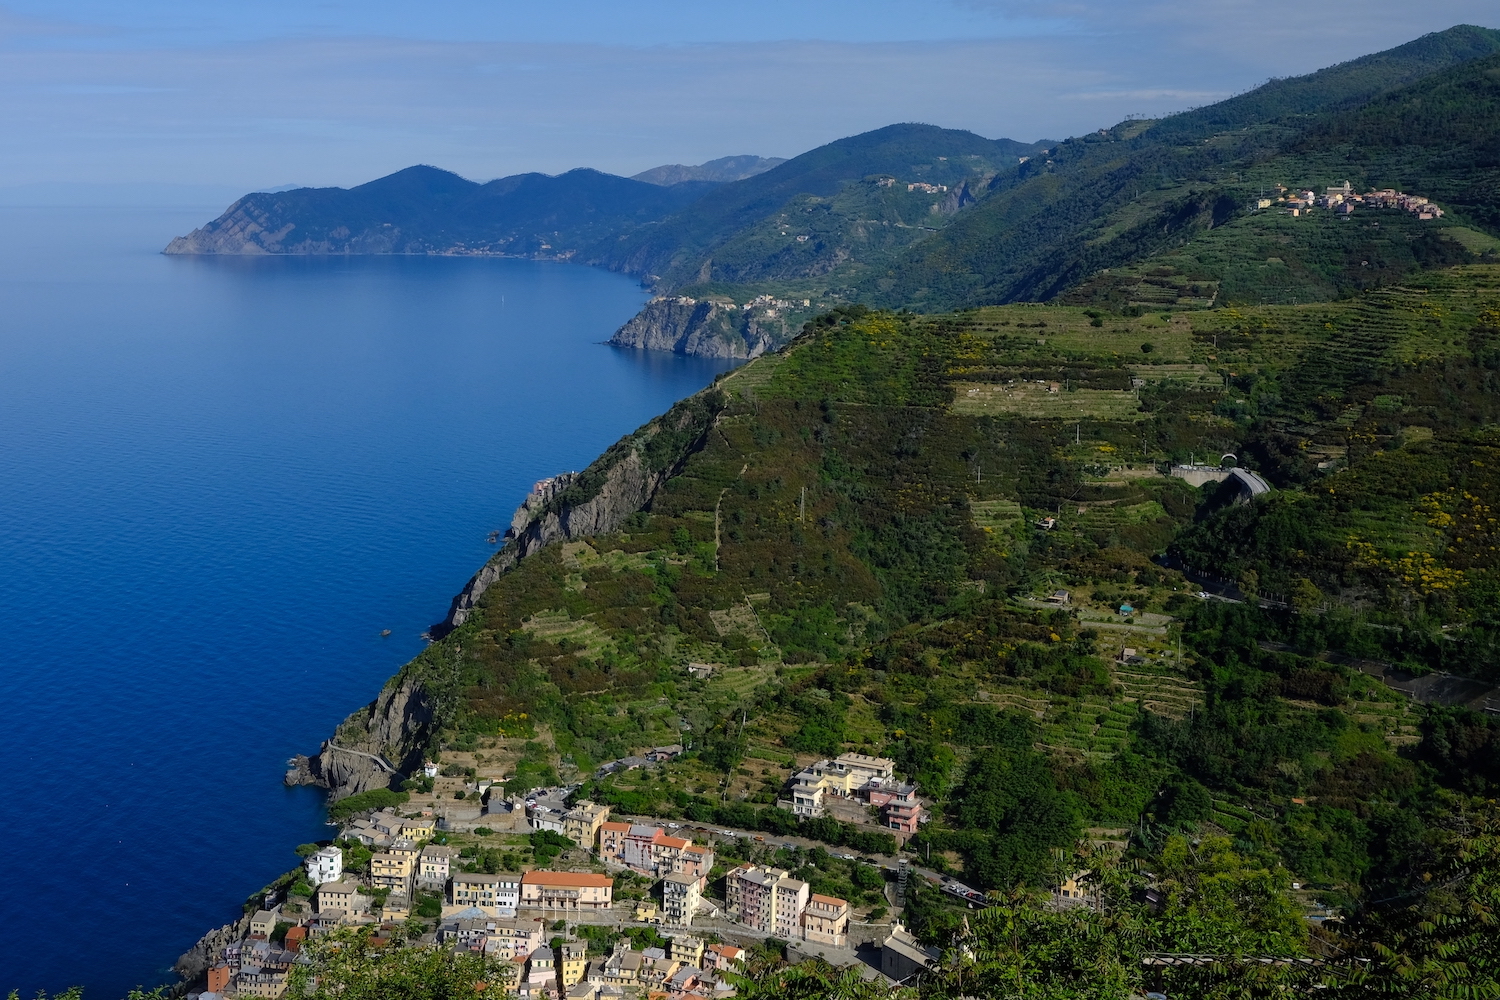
[(161, 96)]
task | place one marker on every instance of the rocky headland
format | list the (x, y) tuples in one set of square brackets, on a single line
[(709, 328)]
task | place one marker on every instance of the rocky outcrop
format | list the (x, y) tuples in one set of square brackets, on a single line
[(194, 963), (376, 747), (380, 744), (957, 199), (703, 328), (595, 501), (252, 227)]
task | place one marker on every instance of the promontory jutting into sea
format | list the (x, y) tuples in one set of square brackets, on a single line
[(972, 567)]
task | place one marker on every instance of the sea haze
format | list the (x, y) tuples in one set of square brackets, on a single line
[(220, 479)]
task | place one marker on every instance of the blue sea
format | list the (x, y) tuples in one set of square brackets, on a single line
[(220, 480)]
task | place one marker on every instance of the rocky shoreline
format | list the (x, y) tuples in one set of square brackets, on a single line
[(380, 743), (702, 328)]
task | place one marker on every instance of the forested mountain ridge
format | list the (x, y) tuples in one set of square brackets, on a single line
[(1128, 195), (849, 550), (722, 170), (815, 211), (426, 210)]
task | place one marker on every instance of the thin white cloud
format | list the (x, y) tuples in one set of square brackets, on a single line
[(343, 110)]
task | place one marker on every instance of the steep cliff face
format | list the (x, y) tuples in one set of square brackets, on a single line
[(384, 742), (597, 500), (701, 328), (376, 747)]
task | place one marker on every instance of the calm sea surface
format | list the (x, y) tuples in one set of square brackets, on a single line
[(219, 481)]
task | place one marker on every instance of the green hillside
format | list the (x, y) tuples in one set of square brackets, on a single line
[(748, 231), (847, 547), (1146, 196)]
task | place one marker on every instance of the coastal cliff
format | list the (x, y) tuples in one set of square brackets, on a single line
[(596, 500), (194, 963), (382, 743), (708, 328)]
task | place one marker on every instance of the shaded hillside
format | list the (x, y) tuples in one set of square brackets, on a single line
[(426, 210), (749, 230), (720, 171)]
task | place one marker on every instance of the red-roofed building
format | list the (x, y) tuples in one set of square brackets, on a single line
[(825, 920), (567, 890)]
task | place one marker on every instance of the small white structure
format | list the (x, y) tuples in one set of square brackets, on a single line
[(326, 865), (429, 770)]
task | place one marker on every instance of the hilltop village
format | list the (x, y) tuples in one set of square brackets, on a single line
[(619, 909), (1343, 200)]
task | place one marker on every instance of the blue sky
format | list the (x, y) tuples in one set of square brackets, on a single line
[(208, 97)]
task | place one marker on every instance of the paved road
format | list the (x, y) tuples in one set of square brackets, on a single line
[(375, 757), (713, 833)]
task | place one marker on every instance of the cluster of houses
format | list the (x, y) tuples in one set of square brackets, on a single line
[(687, 969), (921, 186), (1344, 198), (769, 901), (860, 777), (504, 914)]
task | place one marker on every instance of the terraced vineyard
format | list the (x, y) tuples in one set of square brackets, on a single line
[(1044, 401), (1156, 685)]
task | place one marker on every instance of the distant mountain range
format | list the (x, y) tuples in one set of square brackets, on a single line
[(720, 171), (426, 210), (1144, 214)]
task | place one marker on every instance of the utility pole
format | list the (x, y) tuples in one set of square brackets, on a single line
[(1078, 433), (802, 511)]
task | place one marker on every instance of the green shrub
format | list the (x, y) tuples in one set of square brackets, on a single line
[(375, 798)]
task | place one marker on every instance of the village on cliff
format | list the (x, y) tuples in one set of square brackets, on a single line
[(621, 909)]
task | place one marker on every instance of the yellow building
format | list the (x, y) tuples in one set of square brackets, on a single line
[(393, 870), (419, 829), (826, 920), (581, 823), (397, 906), (573, 962)]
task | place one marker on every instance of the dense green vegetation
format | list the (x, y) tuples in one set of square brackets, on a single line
[(847, 540), (951, 539)]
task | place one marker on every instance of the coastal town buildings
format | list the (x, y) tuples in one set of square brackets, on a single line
[(1344, 200), (572, 963), (770, 901), (337, 898), (500, 892), (847, 776), (650, 850), (903, 956), (393, 869), (434, 865), (826, 921), (767, 900)]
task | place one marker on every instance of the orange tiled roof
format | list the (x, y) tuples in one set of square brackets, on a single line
[(566, 878)]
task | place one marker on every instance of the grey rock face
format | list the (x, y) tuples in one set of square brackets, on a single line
[(700, 328), (398, 725), (194, 963)]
